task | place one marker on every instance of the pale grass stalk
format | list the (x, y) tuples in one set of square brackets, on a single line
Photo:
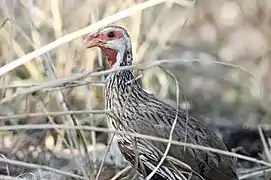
[(111, 135), (76, 84), (36, 166), (7, 168), (36, 37), (28, 173), (135, 32), (154, 31), (90, 92), (255, 174), (52, 83), (265, 126), (60, 52), (117, 175), (4, 23), (66, 85), (60, 113), (10, 52), (265, 146), (89, 98), (67, 119), (252, 170), (30, 66), (4, 177), (167, 33), (61, 139), (144, 47), (40, 15), (56, 17), (36, 43), (136, 135), (90, 73), (9, 36), (69, 37), (171, 131)]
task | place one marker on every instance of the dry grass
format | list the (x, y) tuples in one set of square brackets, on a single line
[(220, 56)]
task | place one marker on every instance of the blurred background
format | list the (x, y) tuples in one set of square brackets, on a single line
[(233, 100)]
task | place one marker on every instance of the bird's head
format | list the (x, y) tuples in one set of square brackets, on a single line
[(115, 44)]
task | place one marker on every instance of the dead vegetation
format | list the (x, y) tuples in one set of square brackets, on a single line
[(222, 61)]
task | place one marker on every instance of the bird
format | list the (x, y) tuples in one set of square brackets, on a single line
[(133, 110)]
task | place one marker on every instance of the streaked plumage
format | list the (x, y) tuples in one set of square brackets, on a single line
[(137, 111)]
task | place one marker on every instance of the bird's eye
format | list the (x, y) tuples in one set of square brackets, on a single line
[(111, 34)]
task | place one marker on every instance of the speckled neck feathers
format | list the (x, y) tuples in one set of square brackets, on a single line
[(121, 78), (119, 83)]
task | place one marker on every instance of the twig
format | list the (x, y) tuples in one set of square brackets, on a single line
[(52, 83), (266, 150), (4, 22), (60, 113), (256, 173), (11, 178), (61, 139), (88, 92), (7, 168), (116, 176), (171, 131), (174, 122), (143, 136), (90, 73), (67, 119), (66, 85), (29, 174)]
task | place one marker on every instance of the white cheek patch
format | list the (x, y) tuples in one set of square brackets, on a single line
[(119, 59)]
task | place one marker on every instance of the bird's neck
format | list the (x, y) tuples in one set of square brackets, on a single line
[(121, 81), (120, 78)]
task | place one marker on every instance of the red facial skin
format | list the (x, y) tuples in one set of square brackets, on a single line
[(100, 39), (110, 55)]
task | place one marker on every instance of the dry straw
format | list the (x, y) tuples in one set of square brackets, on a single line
[(69, 37)]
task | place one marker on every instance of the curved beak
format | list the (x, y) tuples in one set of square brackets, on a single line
[(94, 41)]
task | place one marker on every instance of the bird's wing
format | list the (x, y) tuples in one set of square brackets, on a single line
[(155, 117), (145, 157)]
